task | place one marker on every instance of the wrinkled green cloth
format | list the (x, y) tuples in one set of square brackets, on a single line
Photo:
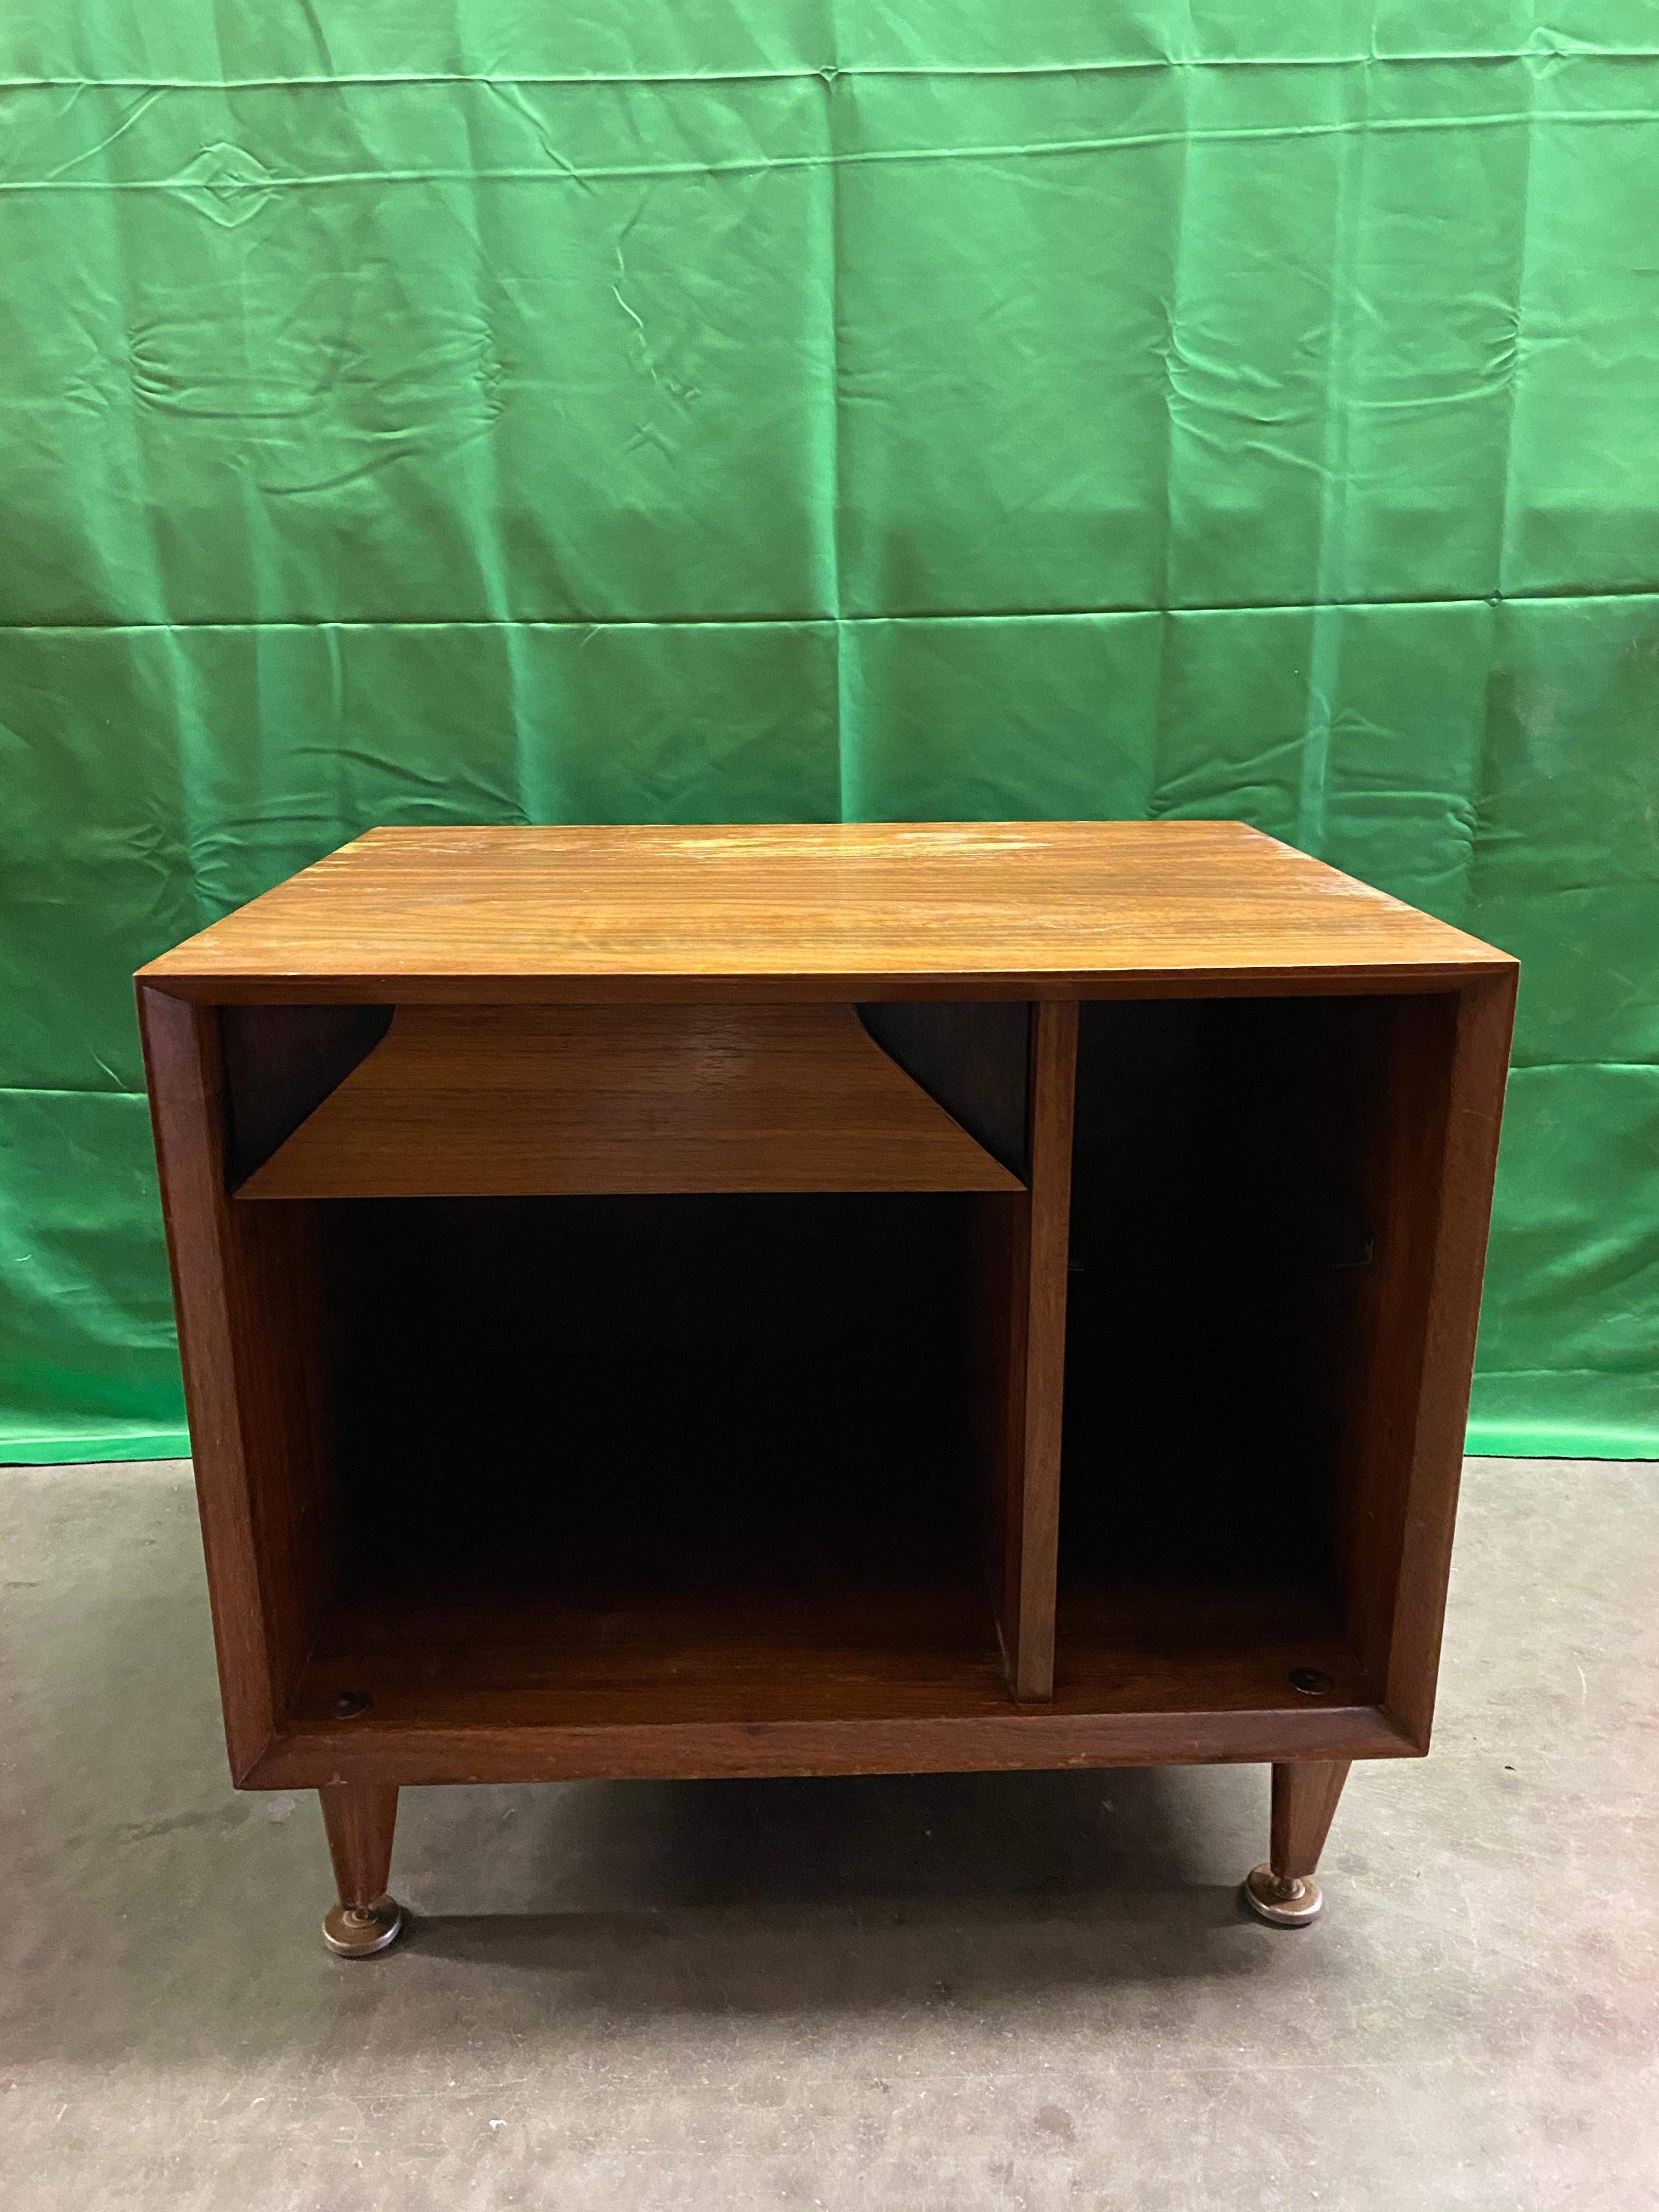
[(472, 411)]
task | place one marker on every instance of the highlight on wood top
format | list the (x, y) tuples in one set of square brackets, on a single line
[(828, 910), (467, 1102)]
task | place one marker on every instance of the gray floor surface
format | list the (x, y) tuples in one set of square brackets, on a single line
[(937, 1994)]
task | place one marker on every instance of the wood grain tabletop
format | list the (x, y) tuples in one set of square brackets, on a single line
[(816, 910)]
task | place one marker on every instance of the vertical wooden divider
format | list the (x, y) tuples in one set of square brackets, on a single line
[(1024, 1248), (1007, 1071)]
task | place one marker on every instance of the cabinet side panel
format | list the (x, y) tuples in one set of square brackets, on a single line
[(1485, 1019), (1434, 1069), (1400, 1073), (245, 1293)]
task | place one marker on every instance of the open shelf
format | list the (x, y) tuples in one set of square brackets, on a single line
[(703, 1457), (725, 1655), (1186, 1646), (689, 1485), (502, 1102), (1245, 1268), (887, 1677)]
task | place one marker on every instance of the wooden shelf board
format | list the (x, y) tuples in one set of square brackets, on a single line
[(464, 1102), (905, 1677), (1172, 1647)]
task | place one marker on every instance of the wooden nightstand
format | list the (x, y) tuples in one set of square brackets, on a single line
[(824, 1300)]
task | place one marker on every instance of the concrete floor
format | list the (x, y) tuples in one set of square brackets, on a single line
[(936, 1994)]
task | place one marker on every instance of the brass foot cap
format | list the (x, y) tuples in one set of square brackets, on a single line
[(1282, 1900), (358, 1931)]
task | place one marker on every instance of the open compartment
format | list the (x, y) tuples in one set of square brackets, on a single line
[(1253, 1220), (693, 1458), (673, 1364)]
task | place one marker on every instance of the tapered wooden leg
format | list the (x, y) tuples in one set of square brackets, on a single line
[(1283, 1892), (360, 1817)]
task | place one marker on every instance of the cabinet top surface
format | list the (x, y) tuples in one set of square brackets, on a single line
[(470, 913)]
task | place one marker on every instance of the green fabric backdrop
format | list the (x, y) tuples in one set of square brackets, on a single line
[(492, 411)]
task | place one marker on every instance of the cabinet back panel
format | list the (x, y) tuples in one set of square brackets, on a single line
[(592, 1392), (1219, 1227)]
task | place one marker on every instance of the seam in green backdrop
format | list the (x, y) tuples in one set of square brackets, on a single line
[(806, 409)]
